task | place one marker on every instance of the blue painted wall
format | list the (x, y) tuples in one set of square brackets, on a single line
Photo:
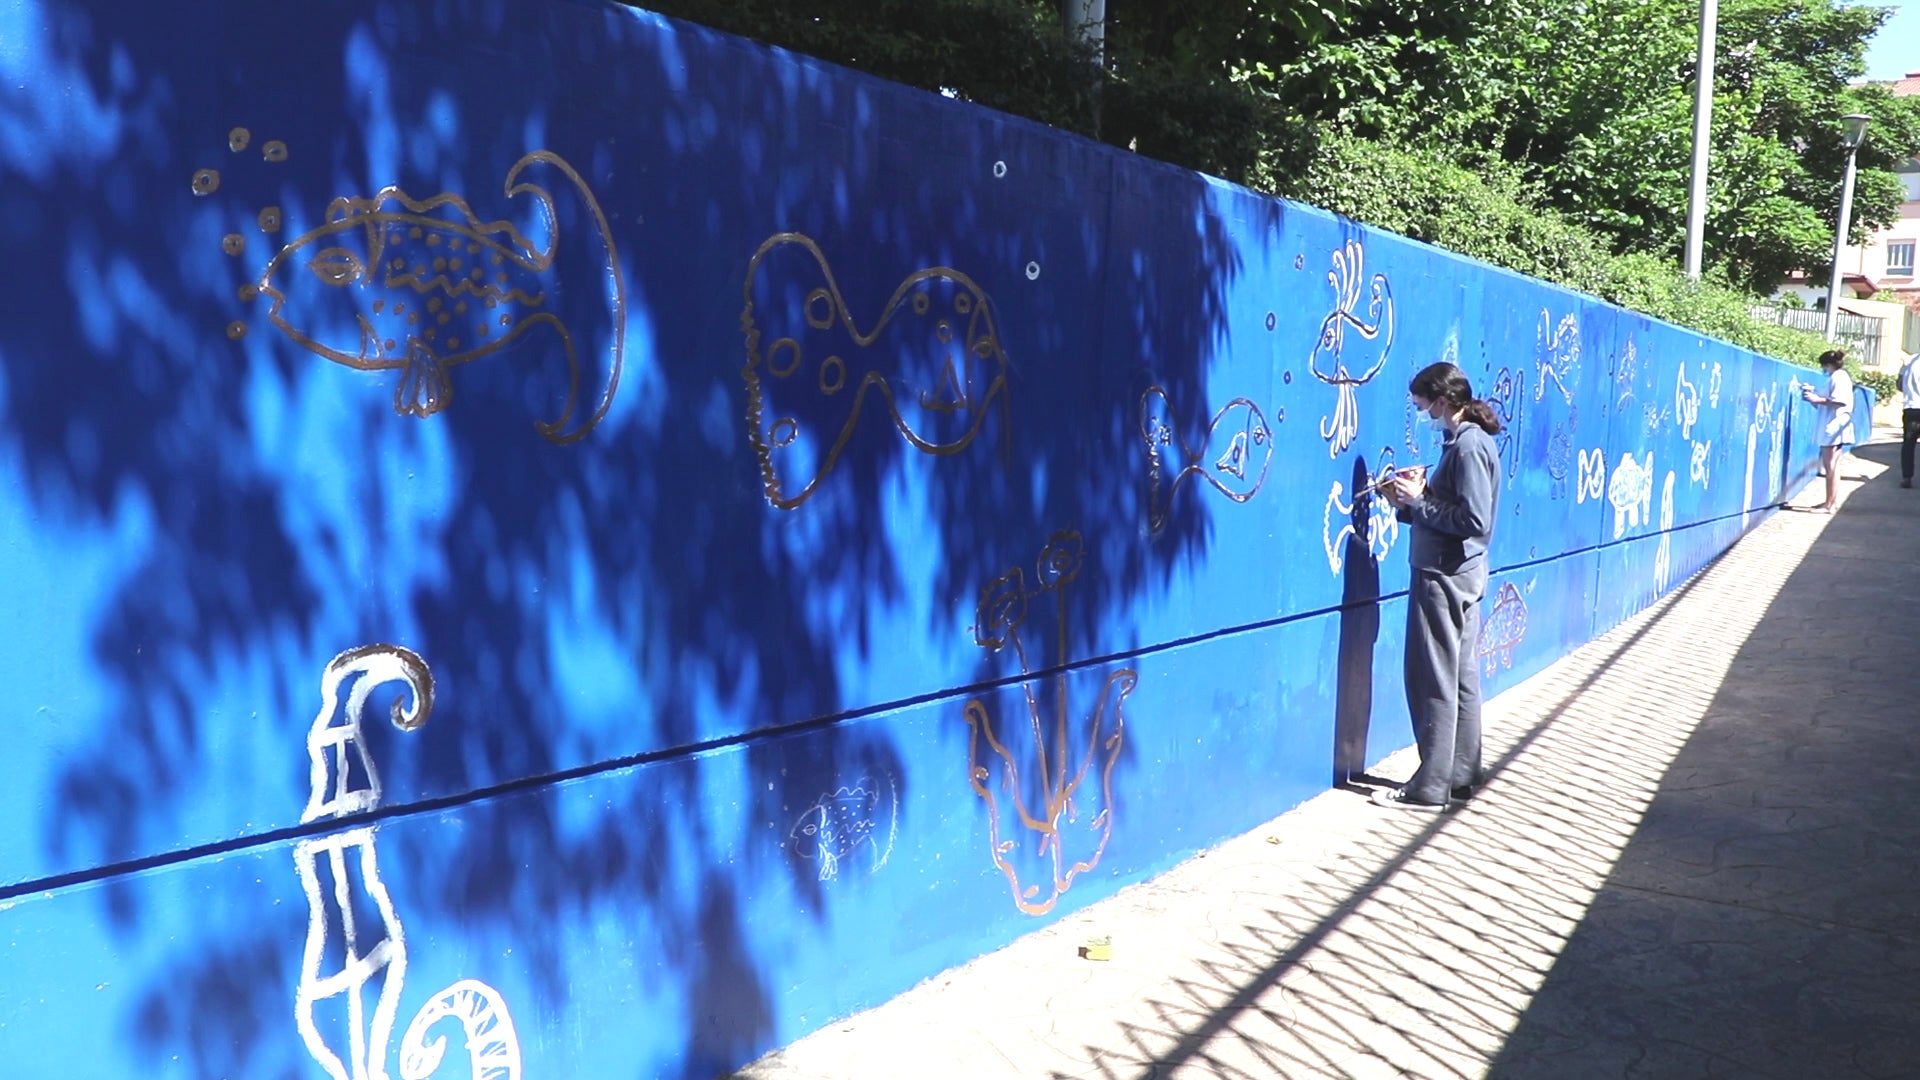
[(524, 514)]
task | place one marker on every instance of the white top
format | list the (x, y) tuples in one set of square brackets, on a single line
[(1910, 382), (1836, 421)]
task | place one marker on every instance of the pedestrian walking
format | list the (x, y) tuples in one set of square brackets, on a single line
[(1451, 510), (1909, 416), (1833, 407)]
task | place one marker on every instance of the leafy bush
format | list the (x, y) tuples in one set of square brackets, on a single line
[(1884, 386), (1490, 214)]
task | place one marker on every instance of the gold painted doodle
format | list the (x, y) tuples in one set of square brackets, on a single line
[(1044, 768), (932, 361), (419, 287)]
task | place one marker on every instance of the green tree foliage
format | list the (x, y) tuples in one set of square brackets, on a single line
[(1553, 139)]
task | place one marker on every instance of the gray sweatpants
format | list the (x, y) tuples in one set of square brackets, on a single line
[(1443, 679)]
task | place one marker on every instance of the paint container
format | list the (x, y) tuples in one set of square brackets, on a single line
[(1099, 948)]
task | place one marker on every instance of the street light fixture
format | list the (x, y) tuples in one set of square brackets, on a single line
[(1853, 132)]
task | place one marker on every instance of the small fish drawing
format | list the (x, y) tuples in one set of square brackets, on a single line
[(422, 286), (1505, 628), (841, 822)]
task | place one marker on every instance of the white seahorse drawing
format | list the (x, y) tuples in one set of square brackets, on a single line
[(334, 868)]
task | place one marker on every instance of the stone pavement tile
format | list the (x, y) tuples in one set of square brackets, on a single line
[(1671, 987)]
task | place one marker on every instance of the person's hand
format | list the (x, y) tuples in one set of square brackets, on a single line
[(1807, 395), (1405, 488)]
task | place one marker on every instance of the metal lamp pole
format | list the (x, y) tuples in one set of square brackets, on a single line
[(1702, 132), (1853, 132)]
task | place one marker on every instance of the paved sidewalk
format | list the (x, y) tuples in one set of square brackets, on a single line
[(1697, 857)]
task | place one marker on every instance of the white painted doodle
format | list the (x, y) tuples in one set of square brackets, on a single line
[(1593, 475), (1686, 403), (1232, 458), (487, 1029), (841, 824), (1369, 517), (344, 780), (1631, 493), (370, 958), (1769, 417), (1560, 456), (1701, 470), (1713, 386), (1507, 398), (1353, 344), (1557, 360), (1776, 451), (1503, 629), (1624, 375), (353, 971), (1663, 558)]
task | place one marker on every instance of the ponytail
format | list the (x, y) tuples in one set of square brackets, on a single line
[(1481, 413)]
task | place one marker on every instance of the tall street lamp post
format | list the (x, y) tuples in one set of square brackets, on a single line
[(1702, 135), (1853, 132)]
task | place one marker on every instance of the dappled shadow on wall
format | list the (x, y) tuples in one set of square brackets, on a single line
[(430, 331)]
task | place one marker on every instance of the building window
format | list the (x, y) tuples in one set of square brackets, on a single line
[(1900, 257)]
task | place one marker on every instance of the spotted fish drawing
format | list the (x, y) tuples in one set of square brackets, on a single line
[(422, 286), (930, 361), (841, 822)]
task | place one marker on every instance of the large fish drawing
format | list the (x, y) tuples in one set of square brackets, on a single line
[(930, 361), (422, 286)]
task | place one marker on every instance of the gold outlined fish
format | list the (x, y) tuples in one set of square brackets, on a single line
[(433, 286)]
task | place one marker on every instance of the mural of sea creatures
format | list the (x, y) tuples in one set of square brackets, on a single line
[(842, 822), (1557, 358), (1043, 769), (1233, 459), (422, 286), (1686, 402), (1369, 516), (1353, 343), (1503, 628), (1631, 493), (1663, 558), (1593, 475), (930, 361)]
